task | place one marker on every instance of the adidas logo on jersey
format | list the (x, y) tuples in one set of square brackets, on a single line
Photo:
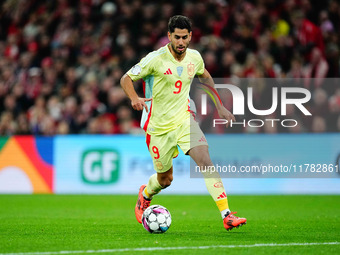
[(223, 195), (202, 139), (168, 71)]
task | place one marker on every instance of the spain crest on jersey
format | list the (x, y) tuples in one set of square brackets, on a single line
[(191, 69)]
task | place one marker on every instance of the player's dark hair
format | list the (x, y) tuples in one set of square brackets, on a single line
[(180, 22)]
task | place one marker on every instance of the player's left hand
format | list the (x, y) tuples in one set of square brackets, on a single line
[(225, 114)]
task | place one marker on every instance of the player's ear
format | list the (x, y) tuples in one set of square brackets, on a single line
[(190, 34), (169, 36)]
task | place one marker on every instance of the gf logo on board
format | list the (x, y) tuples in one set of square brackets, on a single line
[(100, 166)]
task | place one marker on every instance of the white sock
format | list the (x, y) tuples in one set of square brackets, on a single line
[(224, 213)]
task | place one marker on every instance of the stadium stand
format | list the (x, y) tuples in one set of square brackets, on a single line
[(61, 61)]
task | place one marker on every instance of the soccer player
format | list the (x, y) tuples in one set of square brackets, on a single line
[(166, 119)]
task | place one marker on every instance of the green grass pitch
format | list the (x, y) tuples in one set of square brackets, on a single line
[(48, 224)]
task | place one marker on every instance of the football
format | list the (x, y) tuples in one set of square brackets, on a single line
[(156, 219)]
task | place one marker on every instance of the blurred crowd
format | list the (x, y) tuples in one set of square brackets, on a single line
[(61, 61)]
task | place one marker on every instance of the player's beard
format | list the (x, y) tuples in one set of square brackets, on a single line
[(179, 52)]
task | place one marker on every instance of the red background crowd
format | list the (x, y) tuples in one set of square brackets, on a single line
[(61, 61)]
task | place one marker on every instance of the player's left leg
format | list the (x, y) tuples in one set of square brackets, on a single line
[(213, 181), (192, 141)]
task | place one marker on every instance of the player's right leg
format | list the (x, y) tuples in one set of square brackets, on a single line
[(156, 183), (162, 149)]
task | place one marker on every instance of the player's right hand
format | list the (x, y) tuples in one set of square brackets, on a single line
[(139, 103)]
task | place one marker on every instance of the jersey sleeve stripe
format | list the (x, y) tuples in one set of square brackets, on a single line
[(147, 60), (151, 55)]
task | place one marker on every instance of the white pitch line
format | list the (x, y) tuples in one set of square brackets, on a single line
[(172, 248)]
